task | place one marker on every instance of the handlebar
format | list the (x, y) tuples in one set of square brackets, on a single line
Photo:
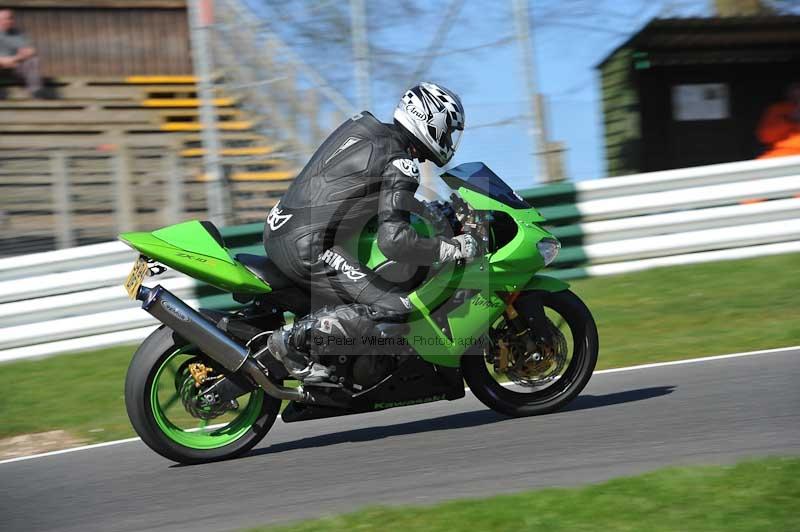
[(472, 222), (463, 219)]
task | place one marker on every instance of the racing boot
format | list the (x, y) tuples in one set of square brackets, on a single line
[(297, 363), (324, 332)]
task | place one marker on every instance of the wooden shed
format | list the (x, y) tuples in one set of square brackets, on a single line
[(690, 91), (97, 38)]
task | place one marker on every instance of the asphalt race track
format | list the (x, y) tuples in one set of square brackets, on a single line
[(624, 423)]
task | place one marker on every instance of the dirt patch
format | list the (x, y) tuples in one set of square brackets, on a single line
[(41, 442)]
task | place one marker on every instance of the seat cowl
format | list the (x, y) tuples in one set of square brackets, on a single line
[(266, 270), (195, 237)]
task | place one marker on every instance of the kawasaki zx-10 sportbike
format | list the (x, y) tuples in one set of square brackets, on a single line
[(203, 387)]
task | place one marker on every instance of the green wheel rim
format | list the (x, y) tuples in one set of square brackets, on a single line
[(201, 436)]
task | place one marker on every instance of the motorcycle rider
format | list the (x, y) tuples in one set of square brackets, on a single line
[(364, 168)]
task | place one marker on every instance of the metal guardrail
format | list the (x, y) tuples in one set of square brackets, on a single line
[(72, 299)]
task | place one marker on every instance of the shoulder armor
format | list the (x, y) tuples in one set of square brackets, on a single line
[(408, 167)]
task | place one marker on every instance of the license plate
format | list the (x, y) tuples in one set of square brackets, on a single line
[(135, 278)]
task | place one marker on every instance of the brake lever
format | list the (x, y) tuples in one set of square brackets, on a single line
[(462, 210)]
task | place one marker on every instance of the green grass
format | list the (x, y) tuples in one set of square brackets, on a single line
[(758, 495), (650, 316), (82, 393), (697, 310)]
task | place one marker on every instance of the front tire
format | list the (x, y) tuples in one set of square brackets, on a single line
[(160, 420), (561, 391)]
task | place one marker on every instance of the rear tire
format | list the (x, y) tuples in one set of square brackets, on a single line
[(584, 358), (168, 440)]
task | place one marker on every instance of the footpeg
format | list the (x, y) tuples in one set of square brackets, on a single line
[(322, 384)]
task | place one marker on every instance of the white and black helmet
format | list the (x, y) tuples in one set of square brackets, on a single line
[(435, 117)]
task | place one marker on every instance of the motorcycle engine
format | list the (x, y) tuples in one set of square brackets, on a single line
[(369, 370)]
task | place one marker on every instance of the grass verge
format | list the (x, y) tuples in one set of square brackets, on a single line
[(81, 393), (697, 310), (651, 316), (757, 495)]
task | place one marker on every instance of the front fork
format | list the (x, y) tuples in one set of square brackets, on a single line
[(525, 315)]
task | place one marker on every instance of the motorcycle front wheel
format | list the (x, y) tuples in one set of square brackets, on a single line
[(158, 388), (562, 376)]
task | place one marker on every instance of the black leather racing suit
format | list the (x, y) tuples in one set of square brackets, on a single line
[(362, 169)]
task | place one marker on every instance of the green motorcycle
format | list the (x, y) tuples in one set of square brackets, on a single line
[(203, 387)]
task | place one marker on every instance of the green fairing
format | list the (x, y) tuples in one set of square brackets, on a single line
[(467, 324), (509, 269), (189, 248), (192, 236), (546, 283)]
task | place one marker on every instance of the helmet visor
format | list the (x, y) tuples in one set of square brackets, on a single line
[(455, 137), (450, 145)]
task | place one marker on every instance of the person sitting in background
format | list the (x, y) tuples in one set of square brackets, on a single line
[(779, 128), (17, 56)]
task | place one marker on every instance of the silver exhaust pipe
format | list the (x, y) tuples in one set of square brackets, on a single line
[(194, 327)]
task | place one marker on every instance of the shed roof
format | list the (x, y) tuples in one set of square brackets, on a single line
[(716, 39)]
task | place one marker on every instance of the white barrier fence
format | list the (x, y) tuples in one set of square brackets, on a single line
[(72, 299), (738, 236), (692, 198), (685, 221), (685, 178)]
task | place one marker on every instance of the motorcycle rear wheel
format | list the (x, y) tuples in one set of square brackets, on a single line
[(153, 403), (507, 399)]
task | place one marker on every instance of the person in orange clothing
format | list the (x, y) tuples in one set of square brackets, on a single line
[(779, 128)]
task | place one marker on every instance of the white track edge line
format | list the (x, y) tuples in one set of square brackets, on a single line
[(598, 372), (696, 360), (69, 450)]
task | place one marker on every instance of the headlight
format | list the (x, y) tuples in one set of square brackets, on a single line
[(548, 249)]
